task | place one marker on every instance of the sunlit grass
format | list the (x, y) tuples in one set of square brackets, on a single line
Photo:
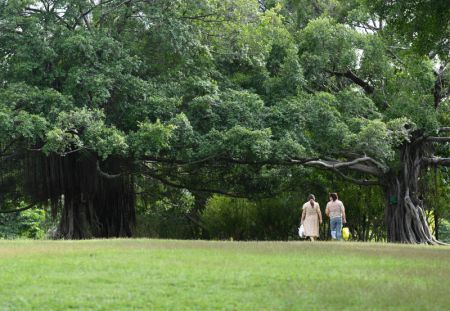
[(183, 275)]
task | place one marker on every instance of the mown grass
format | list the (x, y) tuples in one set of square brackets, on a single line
[(200, 275)]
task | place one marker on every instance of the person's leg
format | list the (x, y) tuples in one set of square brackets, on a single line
[(338, 228), (333, 228)]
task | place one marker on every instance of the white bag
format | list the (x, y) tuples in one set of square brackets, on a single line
[(301, 232)]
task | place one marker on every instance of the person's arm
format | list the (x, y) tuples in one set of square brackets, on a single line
[(303, 216), (344, 220), (320, 214), (327, 210)]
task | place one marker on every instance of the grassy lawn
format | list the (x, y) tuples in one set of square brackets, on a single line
[(200, 275)]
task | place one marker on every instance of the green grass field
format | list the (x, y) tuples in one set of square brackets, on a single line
[(200, 275)]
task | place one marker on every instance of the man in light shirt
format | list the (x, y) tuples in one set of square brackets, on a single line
[(336, 211)]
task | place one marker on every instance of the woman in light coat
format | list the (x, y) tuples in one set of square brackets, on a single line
[(311, 218)]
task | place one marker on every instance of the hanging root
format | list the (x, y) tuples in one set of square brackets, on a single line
[(90, 203)]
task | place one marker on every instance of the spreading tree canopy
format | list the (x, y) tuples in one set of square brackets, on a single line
[(231, 97)]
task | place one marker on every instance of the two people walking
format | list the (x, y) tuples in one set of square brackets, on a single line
[(311, 217)]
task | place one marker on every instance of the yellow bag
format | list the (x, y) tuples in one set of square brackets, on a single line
[(345, 233)]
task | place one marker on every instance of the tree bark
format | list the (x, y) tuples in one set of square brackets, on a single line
[(436, 223), (405, 216)]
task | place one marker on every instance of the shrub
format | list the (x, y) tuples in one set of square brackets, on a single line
[(241, 219), (27, 224), (226, 218)]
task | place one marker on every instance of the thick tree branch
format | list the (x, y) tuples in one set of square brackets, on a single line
[(262, 5), (193, 189), (366, 165), (104, 14), (267, 162), (368, 88), (101, 3), (55, 14), (199, 17), (180, 162), (437, 161), (377, 170), (366, 26), (219, 158), (362, 182), (19, 209), (438, 139), (440, 92), (106, 175)]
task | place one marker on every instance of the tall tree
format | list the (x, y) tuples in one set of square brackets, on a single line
[(231, 97)]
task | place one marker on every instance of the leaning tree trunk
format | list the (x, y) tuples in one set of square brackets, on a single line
[(88, 204), (405, 216)]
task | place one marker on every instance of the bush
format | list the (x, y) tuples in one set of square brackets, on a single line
[(230, 218), (27, 224), (278, 218), (444, 230), (242, 219), (166, 217)]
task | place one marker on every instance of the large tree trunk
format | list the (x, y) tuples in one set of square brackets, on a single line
[(89, 204), (405, 216)]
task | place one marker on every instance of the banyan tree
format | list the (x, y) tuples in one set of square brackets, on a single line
[(215, 96), (92, 203)]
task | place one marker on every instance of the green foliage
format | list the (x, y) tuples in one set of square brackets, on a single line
[(29, 224), (287, 78), (165, 216), (16, 123), (325, 127), (436, 195), (364, 210), (228, 218), (289, 147), (84, 129), (214, 81), (151, 138), (226, 73), (237, 108), (326, 46), (399, 130), (276, 218), (373, 139), (356, 109), (444, 231), (241, 142), (422, 23), (45, 102)]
